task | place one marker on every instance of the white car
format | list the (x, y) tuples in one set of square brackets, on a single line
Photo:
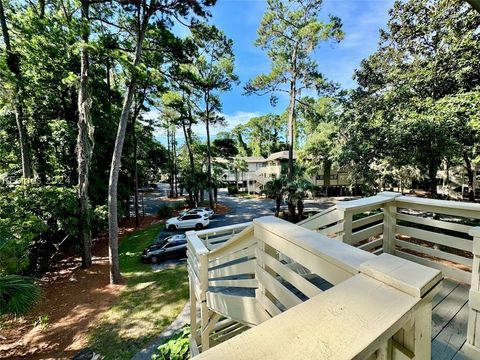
[(199, 210), (209, 211), (188, 221)]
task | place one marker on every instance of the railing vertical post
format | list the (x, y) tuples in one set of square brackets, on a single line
[(389, 221), (345, 235), (472, 346), (204, 312), (193, 309)]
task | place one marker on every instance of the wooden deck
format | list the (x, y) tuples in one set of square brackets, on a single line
[(449, 321)]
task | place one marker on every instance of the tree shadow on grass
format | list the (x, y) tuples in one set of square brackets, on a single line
[(150, 302)]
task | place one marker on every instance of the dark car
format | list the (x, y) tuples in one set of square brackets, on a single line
[(161, 241), (174, 249)]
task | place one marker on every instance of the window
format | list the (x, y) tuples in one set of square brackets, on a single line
[(334, 177), (189, 217), (169, 245), (319, 177)]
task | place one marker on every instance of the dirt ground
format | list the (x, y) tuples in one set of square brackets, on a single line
[(72, 300)]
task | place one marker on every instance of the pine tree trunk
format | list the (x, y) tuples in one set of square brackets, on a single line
[(209, 158), (291, 129), (192, 163), (115, 276), (13, 64), (135, 155), (470, 176), (85, 143)]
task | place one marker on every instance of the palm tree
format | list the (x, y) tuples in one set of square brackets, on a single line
[(239, 165), (275, 188), (298, 190), (17, 294)]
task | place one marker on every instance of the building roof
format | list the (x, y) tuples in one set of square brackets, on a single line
[(248, 159), (281, 155), (254, 159)]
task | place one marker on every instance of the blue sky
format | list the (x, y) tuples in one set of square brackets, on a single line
[(239, 19)]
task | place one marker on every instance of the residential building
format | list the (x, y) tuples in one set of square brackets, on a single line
[(261, 170)]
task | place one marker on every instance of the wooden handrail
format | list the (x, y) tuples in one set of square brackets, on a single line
[(376, 305), (344, 257)]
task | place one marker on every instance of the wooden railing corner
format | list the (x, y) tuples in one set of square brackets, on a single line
[(472, 346)]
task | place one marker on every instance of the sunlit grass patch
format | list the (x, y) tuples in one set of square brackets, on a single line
[(150, 302)]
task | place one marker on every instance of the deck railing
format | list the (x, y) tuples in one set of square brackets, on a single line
[(272, 266), (434, 233), (243, 275)]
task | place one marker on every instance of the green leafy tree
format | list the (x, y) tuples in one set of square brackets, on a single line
[(143, 18), (212, 72), (290, 31), (264, 135), (423, 57), (16, 81)]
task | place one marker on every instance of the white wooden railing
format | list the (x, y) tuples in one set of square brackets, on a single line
[(243, 275), (247, 281), (430, 232)]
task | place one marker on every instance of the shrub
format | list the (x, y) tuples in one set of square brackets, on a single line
[(232, 190), (176, 348), (32, 220), (17, 294), (99, 216), (165, 211)]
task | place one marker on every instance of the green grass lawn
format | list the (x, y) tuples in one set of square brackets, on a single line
[(151, 301)]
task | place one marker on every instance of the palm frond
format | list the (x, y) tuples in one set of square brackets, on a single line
[(17, 294)]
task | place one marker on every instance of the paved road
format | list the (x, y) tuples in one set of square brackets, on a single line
[(241, 210)]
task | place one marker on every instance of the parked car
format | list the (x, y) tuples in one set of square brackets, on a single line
[(172, 249), (188, 221), (209, 211), (160, 241), (194, 211), (201, 210)]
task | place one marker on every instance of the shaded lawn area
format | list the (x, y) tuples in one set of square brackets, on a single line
[(150, 302)]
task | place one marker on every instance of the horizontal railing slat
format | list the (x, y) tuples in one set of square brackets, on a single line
[(246, 267), (292, 277), (325, 269), (215, 261), (367, 233), (243, 283), (267, 304), (367, 220), (434, 223), (331, 229), (451, 272), (434, 252), (371, 245), (439, 207), (436, 238), (273, 286)]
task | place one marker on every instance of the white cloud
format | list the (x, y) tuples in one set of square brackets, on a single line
[(239, 117), (232, 120)]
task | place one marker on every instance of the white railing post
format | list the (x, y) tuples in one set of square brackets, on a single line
[(204, 312), (345, 235), (472, 346), (389, 221)]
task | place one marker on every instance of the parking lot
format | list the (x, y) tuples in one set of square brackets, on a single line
[(241, 210)]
